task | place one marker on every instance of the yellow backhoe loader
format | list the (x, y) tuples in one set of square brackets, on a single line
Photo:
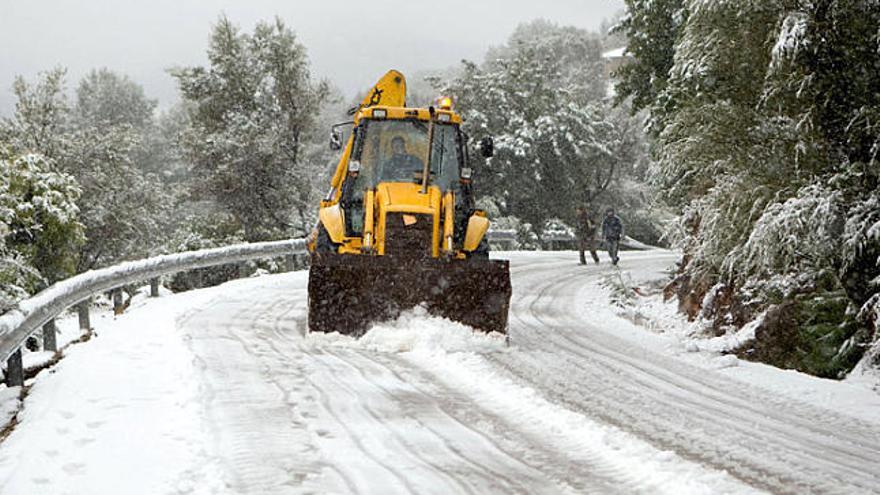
[(399, 227)]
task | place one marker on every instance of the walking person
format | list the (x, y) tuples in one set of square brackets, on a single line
[(612, 231), (586, 233)]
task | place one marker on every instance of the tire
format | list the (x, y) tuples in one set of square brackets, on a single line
[(323, 243), (482, 251)]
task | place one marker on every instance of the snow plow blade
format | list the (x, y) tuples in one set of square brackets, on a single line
[(349, 293)]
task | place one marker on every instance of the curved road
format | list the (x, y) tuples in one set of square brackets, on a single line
[(764, 440), (570, 406), (390, 422)]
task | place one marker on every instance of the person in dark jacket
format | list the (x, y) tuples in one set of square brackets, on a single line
[(400, 165), (612, 231), (586, 233)]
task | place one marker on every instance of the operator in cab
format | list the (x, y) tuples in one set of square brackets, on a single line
[(400, 165)]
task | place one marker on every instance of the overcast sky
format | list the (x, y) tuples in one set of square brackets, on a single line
[(350, 42)]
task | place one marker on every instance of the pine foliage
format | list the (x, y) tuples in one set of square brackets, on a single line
[(250, 112), (766, 122), (558, 143), (40, 234)]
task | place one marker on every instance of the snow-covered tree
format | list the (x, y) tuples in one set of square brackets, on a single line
[(765, 114), (651, 28), (39, 231), (41, 115), (558, 145), (99, 142), (250, 111), (124, 206), (105, 99)]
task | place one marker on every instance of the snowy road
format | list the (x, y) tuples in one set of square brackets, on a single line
[(759, 437), (220, 391)]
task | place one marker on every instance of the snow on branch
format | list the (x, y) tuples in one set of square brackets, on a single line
[(796, 235), (791, 38)]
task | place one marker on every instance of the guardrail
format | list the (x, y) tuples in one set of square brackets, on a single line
[(39, 311)]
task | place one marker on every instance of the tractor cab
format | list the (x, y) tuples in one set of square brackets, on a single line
[(390, 151)]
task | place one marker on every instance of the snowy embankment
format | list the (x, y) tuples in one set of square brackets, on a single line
[(644, 317), (117, 411)]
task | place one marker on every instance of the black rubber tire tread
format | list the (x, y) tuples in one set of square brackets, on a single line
[(482, 251), (323, 243)]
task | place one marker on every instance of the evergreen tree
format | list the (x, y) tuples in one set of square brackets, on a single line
[(250, 112), (766, 127), (651, 28), (39, 231), (99, 142), (558, 144)]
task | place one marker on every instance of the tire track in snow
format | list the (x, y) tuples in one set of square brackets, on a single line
[(374, 370), (686, 389), (281, 331), (327, 404), (484, 439), (259, 441), (590, 473), (535, 473), (545, 314), (406, 447), (491, 475), (558, 337), (697, 384)]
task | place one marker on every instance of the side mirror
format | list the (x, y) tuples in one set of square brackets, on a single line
[(335, 139), (487, 147)]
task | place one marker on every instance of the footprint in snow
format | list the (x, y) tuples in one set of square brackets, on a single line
[(74, 468), (82, 442)]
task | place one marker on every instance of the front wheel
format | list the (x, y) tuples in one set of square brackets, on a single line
[(482, 251), (323, 243)]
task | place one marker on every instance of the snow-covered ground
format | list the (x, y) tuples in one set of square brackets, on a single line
[(670, 332), (220, 391)]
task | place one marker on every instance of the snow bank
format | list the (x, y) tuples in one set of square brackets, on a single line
[(657, 324), (121, 414), (418, 332)]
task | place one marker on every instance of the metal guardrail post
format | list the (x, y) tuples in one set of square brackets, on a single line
[(82, 310), (118, 308), (50, 343), (154, 287), (14, 370)]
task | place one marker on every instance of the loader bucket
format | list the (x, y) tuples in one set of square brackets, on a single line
[(347, 293)]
